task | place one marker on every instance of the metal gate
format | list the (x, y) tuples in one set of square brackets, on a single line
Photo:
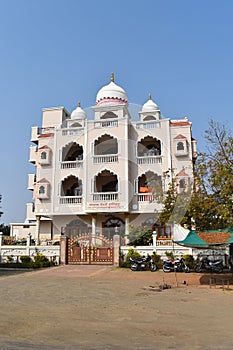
[(90, 249)]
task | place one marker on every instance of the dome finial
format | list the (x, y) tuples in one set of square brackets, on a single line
[(149, 97), (79, 104), (112, 77)]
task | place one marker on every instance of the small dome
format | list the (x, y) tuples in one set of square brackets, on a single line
[(150, 106), (78, 113), (111, 94)]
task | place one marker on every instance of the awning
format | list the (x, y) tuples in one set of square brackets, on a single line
[(207, 238)]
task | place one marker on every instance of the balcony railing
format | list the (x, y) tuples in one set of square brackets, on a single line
[(105, 123), (148, 125), (146, 197), (105, 196), (74, 164), (161, 242), (149, 159), (71, 200), (72, 131), (110, 158)]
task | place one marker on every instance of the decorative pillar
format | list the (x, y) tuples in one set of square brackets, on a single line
[(126, 229), (93, 229), (28, 243), (38, 229), (64, 250), (93, 224), (154, 236), (116, 250)]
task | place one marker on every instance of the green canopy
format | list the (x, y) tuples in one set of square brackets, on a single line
[(207, 239)]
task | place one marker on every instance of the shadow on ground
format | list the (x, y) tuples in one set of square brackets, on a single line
[(221, 279)]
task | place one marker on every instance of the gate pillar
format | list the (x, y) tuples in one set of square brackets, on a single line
[(64, 250), (116, 250)]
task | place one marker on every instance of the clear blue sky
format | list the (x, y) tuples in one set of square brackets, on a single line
[(55, 53)]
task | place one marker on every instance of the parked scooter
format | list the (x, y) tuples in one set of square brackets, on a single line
[(144, 263), (175, 265), (206, 264)]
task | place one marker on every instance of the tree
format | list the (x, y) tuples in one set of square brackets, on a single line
[(140, 235), (5, 230), (0, 205), (210, 203)]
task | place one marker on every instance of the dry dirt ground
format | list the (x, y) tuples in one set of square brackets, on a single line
[(101, 307)]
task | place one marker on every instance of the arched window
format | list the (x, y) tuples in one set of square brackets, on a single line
[(41, 189), (43, 155), (180, 146), (182, 183)]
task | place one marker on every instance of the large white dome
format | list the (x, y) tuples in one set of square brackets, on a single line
[(150, 106), (111, 94)]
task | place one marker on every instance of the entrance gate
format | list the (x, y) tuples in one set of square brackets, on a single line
[(90, 249)]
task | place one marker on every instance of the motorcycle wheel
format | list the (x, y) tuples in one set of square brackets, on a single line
[(153, 267), (165, 269), (198, 268), (133, 267), (218, 269), (186, 269)]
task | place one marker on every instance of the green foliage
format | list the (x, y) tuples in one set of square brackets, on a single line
[(189, 260), (5, 229), (209, 205), (170, 255), (1, 212), (131, 253), (41, 261), (10, 258), (140, 235), (25, 259), (156, 258)]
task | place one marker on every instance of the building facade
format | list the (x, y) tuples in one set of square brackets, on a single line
[(105, 174)]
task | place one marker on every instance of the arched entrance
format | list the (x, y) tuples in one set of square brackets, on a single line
[(113, 226), (85, 248)]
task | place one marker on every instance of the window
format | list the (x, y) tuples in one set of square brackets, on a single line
[(43, 155), (163, 232), (180, 146), (182, 183), (41, 190)]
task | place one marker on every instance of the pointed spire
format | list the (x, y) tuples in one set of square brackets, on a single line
[(149, 97), (112, 77), (79, 104)]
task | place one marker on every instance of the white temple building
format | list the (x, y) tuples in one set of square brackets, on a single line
[(104, 174)]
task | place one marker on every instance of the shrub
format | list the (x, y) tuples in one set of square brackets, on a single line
[(131, 253), (25, 259), (189, 260), (41, 261), (10, 259), (156, 258), (170, 255)]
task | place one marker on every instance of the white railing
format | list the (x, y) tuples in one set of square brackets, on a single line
[(71, 200), (149, 160), (74, 164), (146, 197), (105, 123), (148, 125), (105, 196), (72, 131), (110, 158)]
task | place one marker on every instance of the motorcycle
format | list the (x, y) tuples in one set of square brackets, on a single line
[(175, 265), (206, 264), (144, 263)]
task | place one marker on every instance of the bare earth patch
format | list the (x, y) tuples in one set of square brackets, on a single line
[(100, 307)]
